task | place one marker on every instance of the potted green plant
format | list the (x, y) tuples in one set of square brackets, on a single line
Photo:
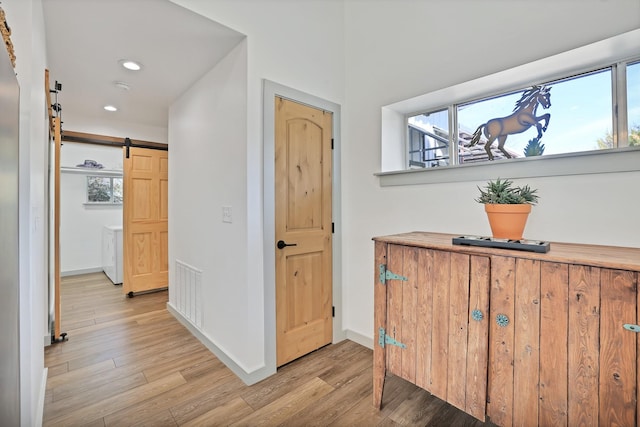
[(507, 207)]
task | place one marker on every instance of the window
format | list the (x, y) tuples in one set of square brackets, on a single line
[(568, 115), (428, 139), (633, 103), (594, 121), (104, 189)]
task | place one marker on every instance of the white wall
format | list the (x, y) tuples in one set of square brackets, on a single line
[(26, 22), (400, 49), (296, 44), (81, 225), (364, 55), (208, 123), (361, 55), (115, 128)]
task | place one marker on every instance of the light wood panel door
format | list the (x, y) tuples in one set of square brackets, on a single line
[(55, 136), (57, 309), (145, 220), (303, 169)]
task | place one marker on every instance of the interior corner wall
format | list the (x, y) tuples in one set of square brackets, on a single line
[(115, 128), (81, 225), (207, 171), (399, 49), (296, 44)]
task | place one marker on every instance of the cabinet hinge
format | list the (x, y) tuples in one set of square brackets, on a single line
[(383, 339), (332, 143), (388, 275), (333, 311), (333, 228)]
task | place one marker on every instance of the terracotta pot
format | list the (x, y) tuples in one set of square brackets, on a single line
[(507, 221)]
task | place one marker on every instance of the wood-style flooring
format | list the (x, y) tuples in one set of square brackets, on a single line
[(129, 362)]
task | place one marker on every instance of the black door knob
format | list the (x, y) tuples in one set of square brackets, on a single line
[(282, 244)]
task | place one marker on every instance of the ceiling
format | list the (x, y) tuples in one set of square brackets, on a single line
[(86, 39)]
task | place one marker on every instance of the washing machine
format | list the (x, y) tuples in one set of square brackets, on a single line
[(112, 253)]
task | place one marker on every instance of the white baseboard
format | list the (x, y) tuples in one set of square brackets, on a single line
[(43, 389), (338, 335), (248, 378), (259, 374), (81, 271), (360, 339)]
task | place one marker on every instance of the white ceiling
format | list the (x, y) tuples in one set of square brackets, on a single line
[(86, 39)]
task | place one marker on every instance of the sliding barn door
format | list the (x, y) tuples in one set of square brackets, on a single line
[(145, 225)]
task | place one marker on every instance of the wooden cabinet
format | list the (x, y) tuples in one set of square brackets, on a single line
[(523, 338)]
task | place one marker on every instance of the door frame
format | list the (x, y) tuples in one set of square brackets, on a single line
[(271, 90)]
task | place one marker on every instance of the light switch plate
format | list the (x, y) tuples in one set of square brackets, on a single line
[(226, 214)]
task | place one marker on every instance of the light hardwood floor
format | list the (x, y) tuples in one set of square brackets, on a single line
[(129, 362)]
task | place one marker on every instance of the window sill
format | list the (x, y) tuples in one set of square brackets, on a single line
[(90, 171), (582, 163), (93, 205)]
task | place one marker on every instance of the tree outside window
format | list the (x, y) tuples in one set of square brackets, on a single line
[(102, 189)]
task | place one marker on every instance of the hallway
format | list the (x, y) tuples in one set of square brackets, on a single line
[(129, 362)]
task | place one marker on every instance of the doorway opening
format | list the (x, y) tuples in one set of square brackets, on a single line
[(272, 90), (83, 218)]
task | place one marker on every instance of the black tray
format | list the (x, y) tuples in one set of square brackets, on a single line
[(490, 242)]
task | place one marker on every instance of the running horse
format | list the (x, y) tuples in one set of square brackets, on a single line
[(523, 117)]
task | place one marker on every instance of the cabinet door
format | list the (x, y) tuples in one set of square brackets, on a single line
[(501, 343), (431, 314), (617, 385), (562, 357), (528, 382)]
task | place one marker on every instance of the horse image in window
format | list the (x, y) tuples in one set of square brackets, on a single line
[(523, 117)]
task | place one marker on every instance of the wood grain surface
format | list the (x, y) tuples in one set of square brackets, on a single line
[(129, 362)]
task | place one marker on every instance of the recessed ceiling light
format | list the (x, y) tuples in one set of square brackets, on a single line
[(110, 108), (131, 65)]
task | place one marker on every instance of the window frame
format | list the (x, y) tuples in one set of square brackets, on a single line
[(610, 53), (111, 201)]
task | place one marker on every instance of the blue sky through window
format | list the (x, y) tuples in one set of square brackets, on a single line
[(580, 114), (633, 95)]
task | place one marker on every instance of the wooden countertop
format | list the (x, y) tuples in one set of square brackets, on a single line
[(594, 255)]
